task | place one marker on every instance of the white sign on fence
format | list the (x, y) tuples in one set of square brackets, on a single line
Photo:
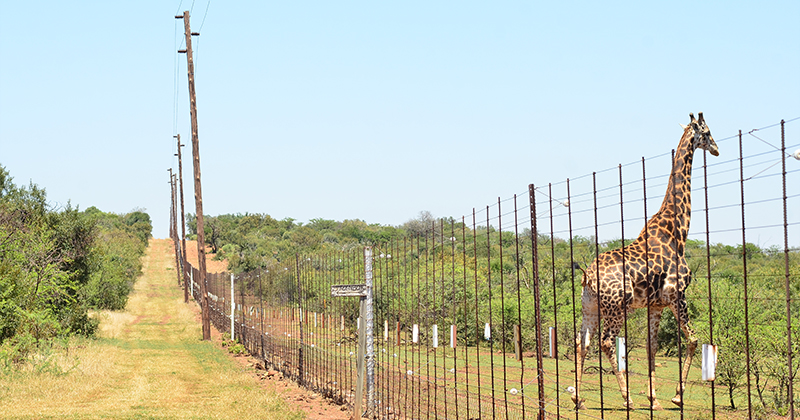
[(349, 290), (622, 351), (435, 329), (709, 362)]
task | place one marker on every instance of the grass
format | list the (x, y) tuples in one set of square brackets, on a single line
[(521, 380), (432, 386), (147, 362)]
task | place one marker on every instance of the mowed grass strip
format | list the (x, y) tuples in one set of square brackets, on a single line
[(147, 362)]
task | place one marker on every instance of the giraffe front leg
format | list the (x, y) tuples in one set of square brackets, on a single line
[(683, 320), (654, 322)]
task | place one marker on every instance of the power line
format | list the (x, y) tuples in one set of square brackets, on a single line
[(175, 84), (204, 17), (179, 8)]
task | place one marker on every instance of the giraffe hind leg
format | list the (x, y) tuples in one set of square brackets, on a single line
[(610, 331), (581, 348)]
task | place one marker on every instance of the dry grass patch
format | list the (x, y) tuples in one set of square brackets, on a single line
[(147, 362)]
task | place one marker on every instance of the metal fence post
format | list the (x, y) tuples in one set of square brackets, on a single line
[(360, 358), (366, 327), (537, 303)]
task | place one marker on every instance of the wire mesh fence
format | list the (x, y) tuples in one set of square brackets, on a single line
[(481, 316)]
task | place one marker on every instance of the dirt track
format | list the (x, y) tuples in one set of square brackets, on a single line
[(149, 362)]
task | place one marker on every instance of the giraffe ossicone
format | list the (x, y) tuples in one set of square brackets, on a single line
[(650, 272)]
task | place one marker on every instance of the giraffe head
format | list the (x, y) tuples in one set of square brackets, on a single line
[(702, 135)]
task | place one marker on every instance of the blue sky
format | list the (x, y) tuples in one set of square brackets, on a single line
[(369, 110)]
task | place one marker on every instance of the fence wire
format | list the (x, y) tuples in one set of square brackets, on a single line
[(477, 317)]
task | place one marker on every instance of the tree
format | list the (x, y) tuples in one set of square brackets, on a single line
[(418, 226), (139, 224), (53, 262)]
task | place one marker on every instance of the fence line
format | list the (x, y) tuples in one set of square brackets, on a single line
[(478, 317)]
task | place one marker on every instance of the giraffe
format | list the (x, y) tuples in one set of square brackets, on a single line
[(654, 270)]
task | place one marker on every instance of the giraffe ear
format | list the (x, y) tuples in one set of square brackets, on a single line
[(682, 126)]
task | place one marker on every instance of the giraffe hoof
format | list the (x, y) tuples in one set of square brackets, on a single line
[(677, 401), (656, 406), (628, 405)]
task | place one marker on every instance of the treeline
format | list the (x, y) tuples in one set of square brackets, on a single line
[(253, 241), (58, 264)]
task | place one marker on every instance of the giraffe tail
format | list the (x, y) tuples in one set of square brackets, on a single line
[(577, 266)]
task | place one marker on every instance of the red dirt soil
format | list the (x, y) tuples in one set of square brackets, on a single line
[(211, 265)]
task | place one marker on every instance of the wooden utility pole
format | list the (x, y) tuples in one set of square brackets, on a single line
[(198, 194), (183, 224), (171, 231), (173, 226), (178, 254)]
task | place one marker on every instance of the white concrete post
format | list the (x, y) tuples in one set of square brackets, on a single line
[(709, 362), (233, 307)]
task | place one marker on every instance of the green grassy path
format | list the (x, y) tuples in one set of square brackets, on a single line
[(148, 362)]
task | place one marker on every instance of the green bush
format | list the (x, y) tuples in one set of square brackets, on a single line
[(57, 264)]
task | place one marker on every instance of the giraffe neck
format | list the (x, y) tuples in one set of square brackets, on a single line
[(677, 204)]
